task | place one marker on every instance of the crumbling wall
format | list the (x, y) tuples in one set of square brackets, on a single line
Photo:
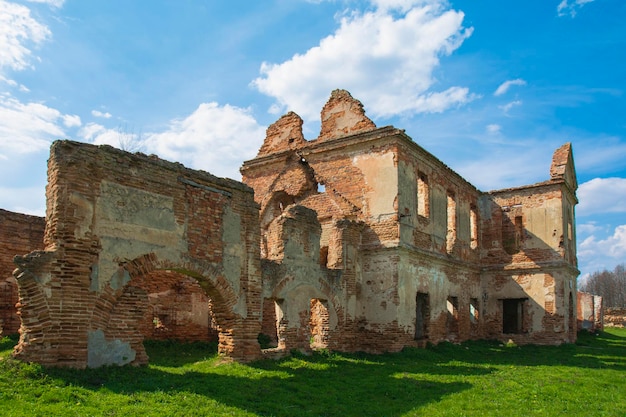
[(614, 317), (590, 312), (357, 240), (178, 308), (436, 259), (116, 225), (528, 254), (19, 234), (295, 283)]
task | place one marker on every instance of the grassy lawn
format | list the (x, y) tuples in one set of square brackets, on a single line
[(472, 379)]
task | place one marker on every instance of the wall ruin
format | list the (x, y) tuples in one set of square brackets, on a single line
[(590, 312), (428, 256), (358, 240), (614, 317), (19, 234), (125, 232)]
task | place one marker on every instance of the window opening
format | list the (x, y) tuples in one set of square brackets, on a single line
[(512, 315), (422, 315), (453, 315), (512, 234), (474, 311), (423, 195), (473, 227), (324, 256), (268, 338), (451, 221), (319, 324)]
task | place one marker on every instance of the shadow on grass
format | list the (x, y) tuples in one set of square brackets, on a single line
[(171, 353), (336, 384)]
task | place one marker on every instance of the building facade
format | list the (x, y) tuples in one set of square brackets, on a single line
[(358, 240)]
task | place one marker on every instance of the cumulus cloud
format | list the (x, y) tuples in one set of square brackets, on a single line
[(18, 31), (71, 120), (30, 127), (213, 138), (504, 87), (384, 59), (600, 254), (587, 228), (602, 195), (570, 7), (104, 115), (99, 135)]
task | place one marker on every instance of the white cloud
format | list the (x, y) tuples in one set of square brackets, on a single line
[(18, 29), (97, 113), (30, 127), (598, 254), (508, 106), (96, 134), (504, 87), (494, 128), (53, 3), (403, 5), (386, 61), (213, 138), (71, 120), (570, 7), (602, 195), (587, 228)]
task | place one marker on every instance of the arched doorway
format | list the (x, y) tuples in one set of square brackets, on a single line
[(178, 308)]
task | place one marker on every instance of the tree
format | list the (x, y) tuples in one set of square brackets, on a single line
[(610, 285)]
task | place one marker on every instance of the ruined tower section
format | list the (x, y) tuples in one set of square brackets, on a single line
[(338, 177), (19, 233), (396, 224), (438, 252), (529, 257), (134, 243)]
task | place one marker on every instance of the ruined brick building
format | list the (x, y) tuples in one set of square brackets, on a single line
[(359, 240)]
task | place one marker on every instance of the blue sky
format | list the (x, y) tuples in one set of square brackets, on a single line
[(491, 88)]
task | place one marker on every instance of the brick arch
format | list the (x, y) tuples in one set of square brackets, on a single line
[(293, 290), (216, 287)]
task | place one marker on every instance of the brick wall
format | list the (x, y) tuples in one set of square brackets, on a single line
[(356, 229), (128, 235), (19, 235)]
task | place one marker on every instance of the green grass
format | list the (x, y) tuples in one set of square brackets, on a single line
[(472, 379)]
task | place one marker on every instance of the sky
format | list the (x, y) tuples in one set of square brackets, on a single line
[(491, 88)]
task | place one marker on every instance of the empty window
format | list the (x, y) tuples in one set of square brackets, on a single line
[(272, 314), (473, 227), (422, 315), (319, 324), (453, 315), (324, 256), (513, 315), (512, 234), (423, 195), (474, 311), (451, 221)]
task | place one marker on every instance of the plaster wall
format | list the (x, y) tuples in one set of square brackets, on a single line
[(113, 220)]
